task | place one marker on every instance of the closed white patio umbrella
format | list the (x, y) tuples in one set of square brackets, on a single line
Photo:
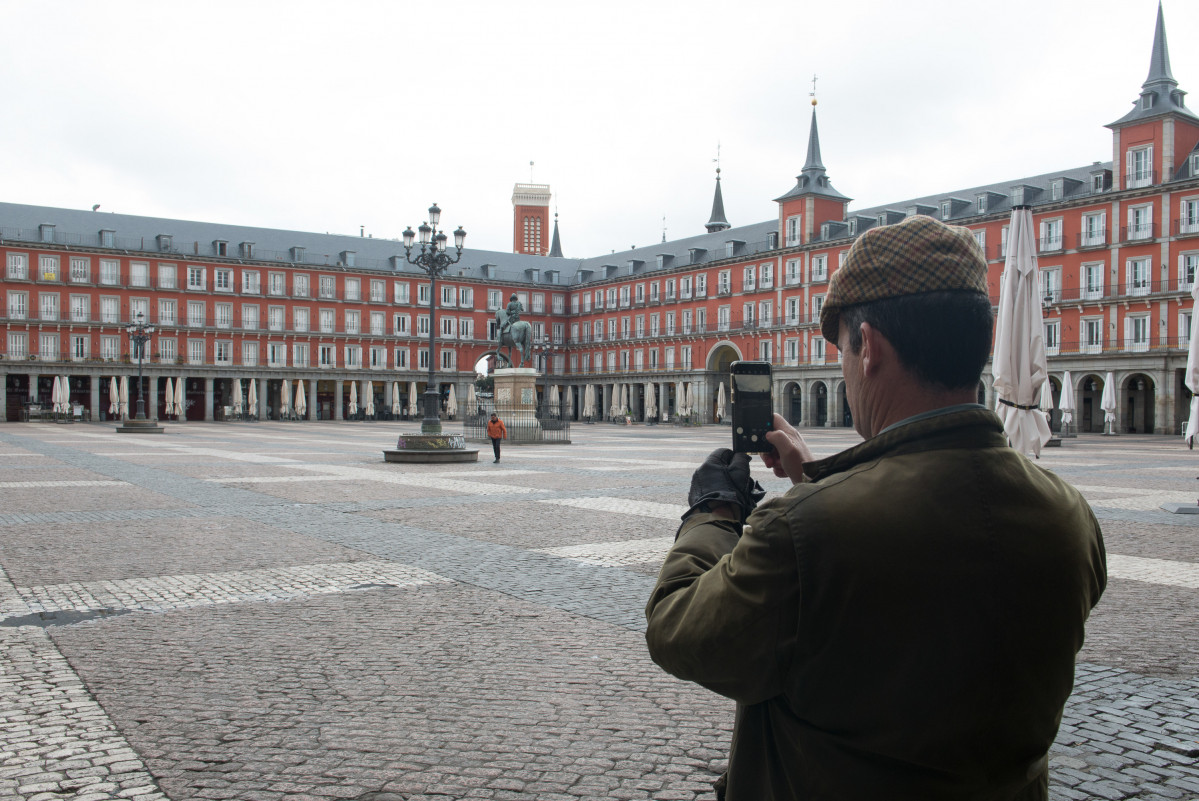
[(180, 408), (123, 409), (301, 399), (237, 407), (168, 394), (624, 399), (370, 398), (412, 411), (569, 402), (1191, 377), (284, 399), (589, 401), (114, 396), (1108, 403), (1019, 365), (651, 402), (56, 394), (451, 403), (396, 408), (353, 398), (252, 399), (721, 412), (553, 400), (1066, 401), (1046, 403)]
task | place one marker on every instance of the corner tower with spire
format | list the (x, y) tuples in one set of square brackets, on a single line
[(1155, 139), (717, 221), (813, 200)]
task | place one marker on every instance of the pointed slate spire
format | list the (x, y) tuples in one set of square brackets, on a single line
[(812, 180), (1160, 94), (556, 244), (717, 221)]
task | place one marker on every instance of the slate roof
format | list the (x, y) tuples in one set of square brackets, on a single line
[(1160, 94)]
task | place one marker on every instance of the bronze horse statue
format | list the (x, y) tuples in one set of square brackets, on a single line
[(519, 336)]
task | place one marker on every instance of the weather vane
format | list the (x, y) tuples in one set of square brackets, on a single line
[(812, 94)]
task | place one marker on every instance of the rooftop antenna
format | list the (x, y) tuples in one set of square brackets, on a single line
[(663, 227)]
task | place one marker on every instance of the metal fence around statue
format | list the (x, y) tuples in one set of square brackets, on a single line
[(540, 426)]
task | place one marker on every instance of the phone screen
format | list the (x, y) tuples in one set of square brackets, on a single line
[(753, 412)]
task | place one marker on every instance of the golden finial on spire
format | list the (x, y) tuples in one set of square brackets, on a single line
[(812, 94)]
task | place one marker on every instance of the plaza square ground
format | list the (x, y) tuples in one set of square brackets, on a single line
[(269, 611)]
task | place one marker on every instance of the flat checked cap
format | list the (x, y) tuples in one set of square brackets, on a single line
[(913, 257)]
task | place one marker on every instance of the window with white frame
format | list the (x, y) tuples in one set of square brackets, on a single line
[(251, 282), (1092, 335), (817, 305), (449, 296), (624, 361), (1137, 278), (399, 292), (611, 328), (378, 357), (638, 296), (422, 294), (422, 325), (300, 285), (327, 321), (766, 313), (81, 308), (766, 350), (326, 356), (1094, 229), (980, 238), (139, 309), (1140, 221), (791, 351), (222, 315), (449, 359), (820, 268), (353, 355), (448, 327), (639, 360), (611, 298), (653, 359), (749, 279), (669, 324), (670, 358), (598, 331), (195, 314), (249, 354), (48, 347), (1051, 235), (722, 318), (1185, 324), (48, 306), (249, 317), (276, 354), (701, 285), (300, 319), (653, 292), (400, 323), (687, 321), (168, 349), (685, 357), (353, 319), (222, 280), (611, 361), (18, 266), (275, 318), (401, 358), (48, 267), (81, 269), (1188, 216), (724, 282), (747, 315), (539, 303), (166, 312), (1136, 333), (794, 271), (1091, 280), (110, 274), (639, 326), (624, 297), (466, 328), (818, 349), (299, 354), (378, 291), (495, 299), (223, 352), (327, 286), (1053, 342), (277, 284), (767, 274), (378, 323), (792, 231), (110, 348), (793, 306), (18, 305), (1139, 164), (669, 289), (1051, 284), (654, 325), (1188, 264), (624, 327)]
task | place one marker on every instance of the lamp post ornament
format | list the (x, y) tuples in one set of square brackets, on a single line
[(433, 261), (139, 334)]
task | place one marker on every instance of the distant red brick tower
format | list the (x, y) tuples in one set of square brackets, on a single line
[(531, 219)]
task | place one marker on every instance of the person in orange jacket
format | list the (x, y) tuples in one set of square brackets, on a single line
[(497, 431)]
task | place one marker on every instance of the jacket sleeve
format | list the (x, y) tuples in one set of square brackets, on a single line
[(725, 609)]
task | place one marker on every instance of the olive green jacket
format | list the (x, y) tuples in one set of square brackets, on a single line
[(902, 627)]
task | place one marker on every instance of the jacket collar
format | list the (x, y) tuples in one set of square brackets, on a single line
[(971, 427)]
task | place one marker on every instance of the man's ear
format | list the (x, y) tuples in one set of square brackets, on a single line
[(874, 350)]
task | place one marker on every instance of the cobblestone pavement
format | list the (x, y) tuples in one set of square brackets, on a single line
[(269, 611)]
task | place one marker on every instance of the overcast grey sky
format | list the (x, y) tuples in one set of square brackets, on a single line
[(327, 117)]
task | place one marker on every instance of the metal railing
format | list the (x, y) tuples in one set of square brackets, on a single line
[(542, 425)]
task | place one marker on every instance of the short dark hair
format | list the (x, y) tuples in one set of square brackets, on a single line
[(942, 337)]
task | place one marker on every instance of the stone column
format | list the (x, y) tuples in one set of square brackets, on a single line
[(387, 399), (208, 399), (93, 398), (262, 398), (337, 388), (152, 397), (3, 397), (312, 410)]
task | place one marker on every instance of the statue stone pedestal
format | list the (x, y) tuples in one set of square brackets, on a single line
[(516, 397)]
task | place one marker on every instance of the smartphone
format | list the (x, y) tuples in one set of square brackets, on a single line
[(753, 407)]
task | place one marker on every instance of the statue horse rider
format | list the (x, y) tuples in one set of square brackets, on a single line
[(513, 332)]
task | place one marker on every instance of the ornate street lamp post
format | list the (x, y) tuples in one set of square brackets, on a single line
[(433, 261), (139, 334)]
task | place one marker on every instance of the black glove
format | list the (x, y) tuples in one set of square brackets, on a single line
[(724, 478)]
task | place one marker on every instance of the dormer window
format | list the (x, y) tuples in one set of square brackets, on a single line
[(882, 219), (1097, 182), (108, 238), (246, 249), (980, 204), (1147, 100), (297, 254), (772, 240), (220, 247), (164, 243), (1195, 165), (347, 258), (1055, 189), (46, 232), (945, 209), (853, 227)]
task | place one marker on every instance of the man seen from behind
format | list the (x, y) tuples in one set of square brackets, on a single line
[(903, 622)]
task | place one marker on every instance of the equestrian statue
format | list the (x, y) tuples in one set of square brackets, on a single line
[(513, 332)]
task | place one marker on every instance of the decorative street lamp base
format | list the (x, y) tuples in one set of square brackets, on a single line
[(431, 449), (140, 427)]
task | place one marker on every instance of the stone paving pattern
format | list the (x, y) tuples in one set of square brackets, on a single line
[(269, 611)]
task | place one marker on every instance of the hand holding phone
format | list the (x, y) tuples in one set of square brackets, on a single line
[(753, 407)]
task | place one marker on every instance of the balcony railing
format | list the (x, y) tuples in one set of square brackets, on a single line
[(1144, 232)]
